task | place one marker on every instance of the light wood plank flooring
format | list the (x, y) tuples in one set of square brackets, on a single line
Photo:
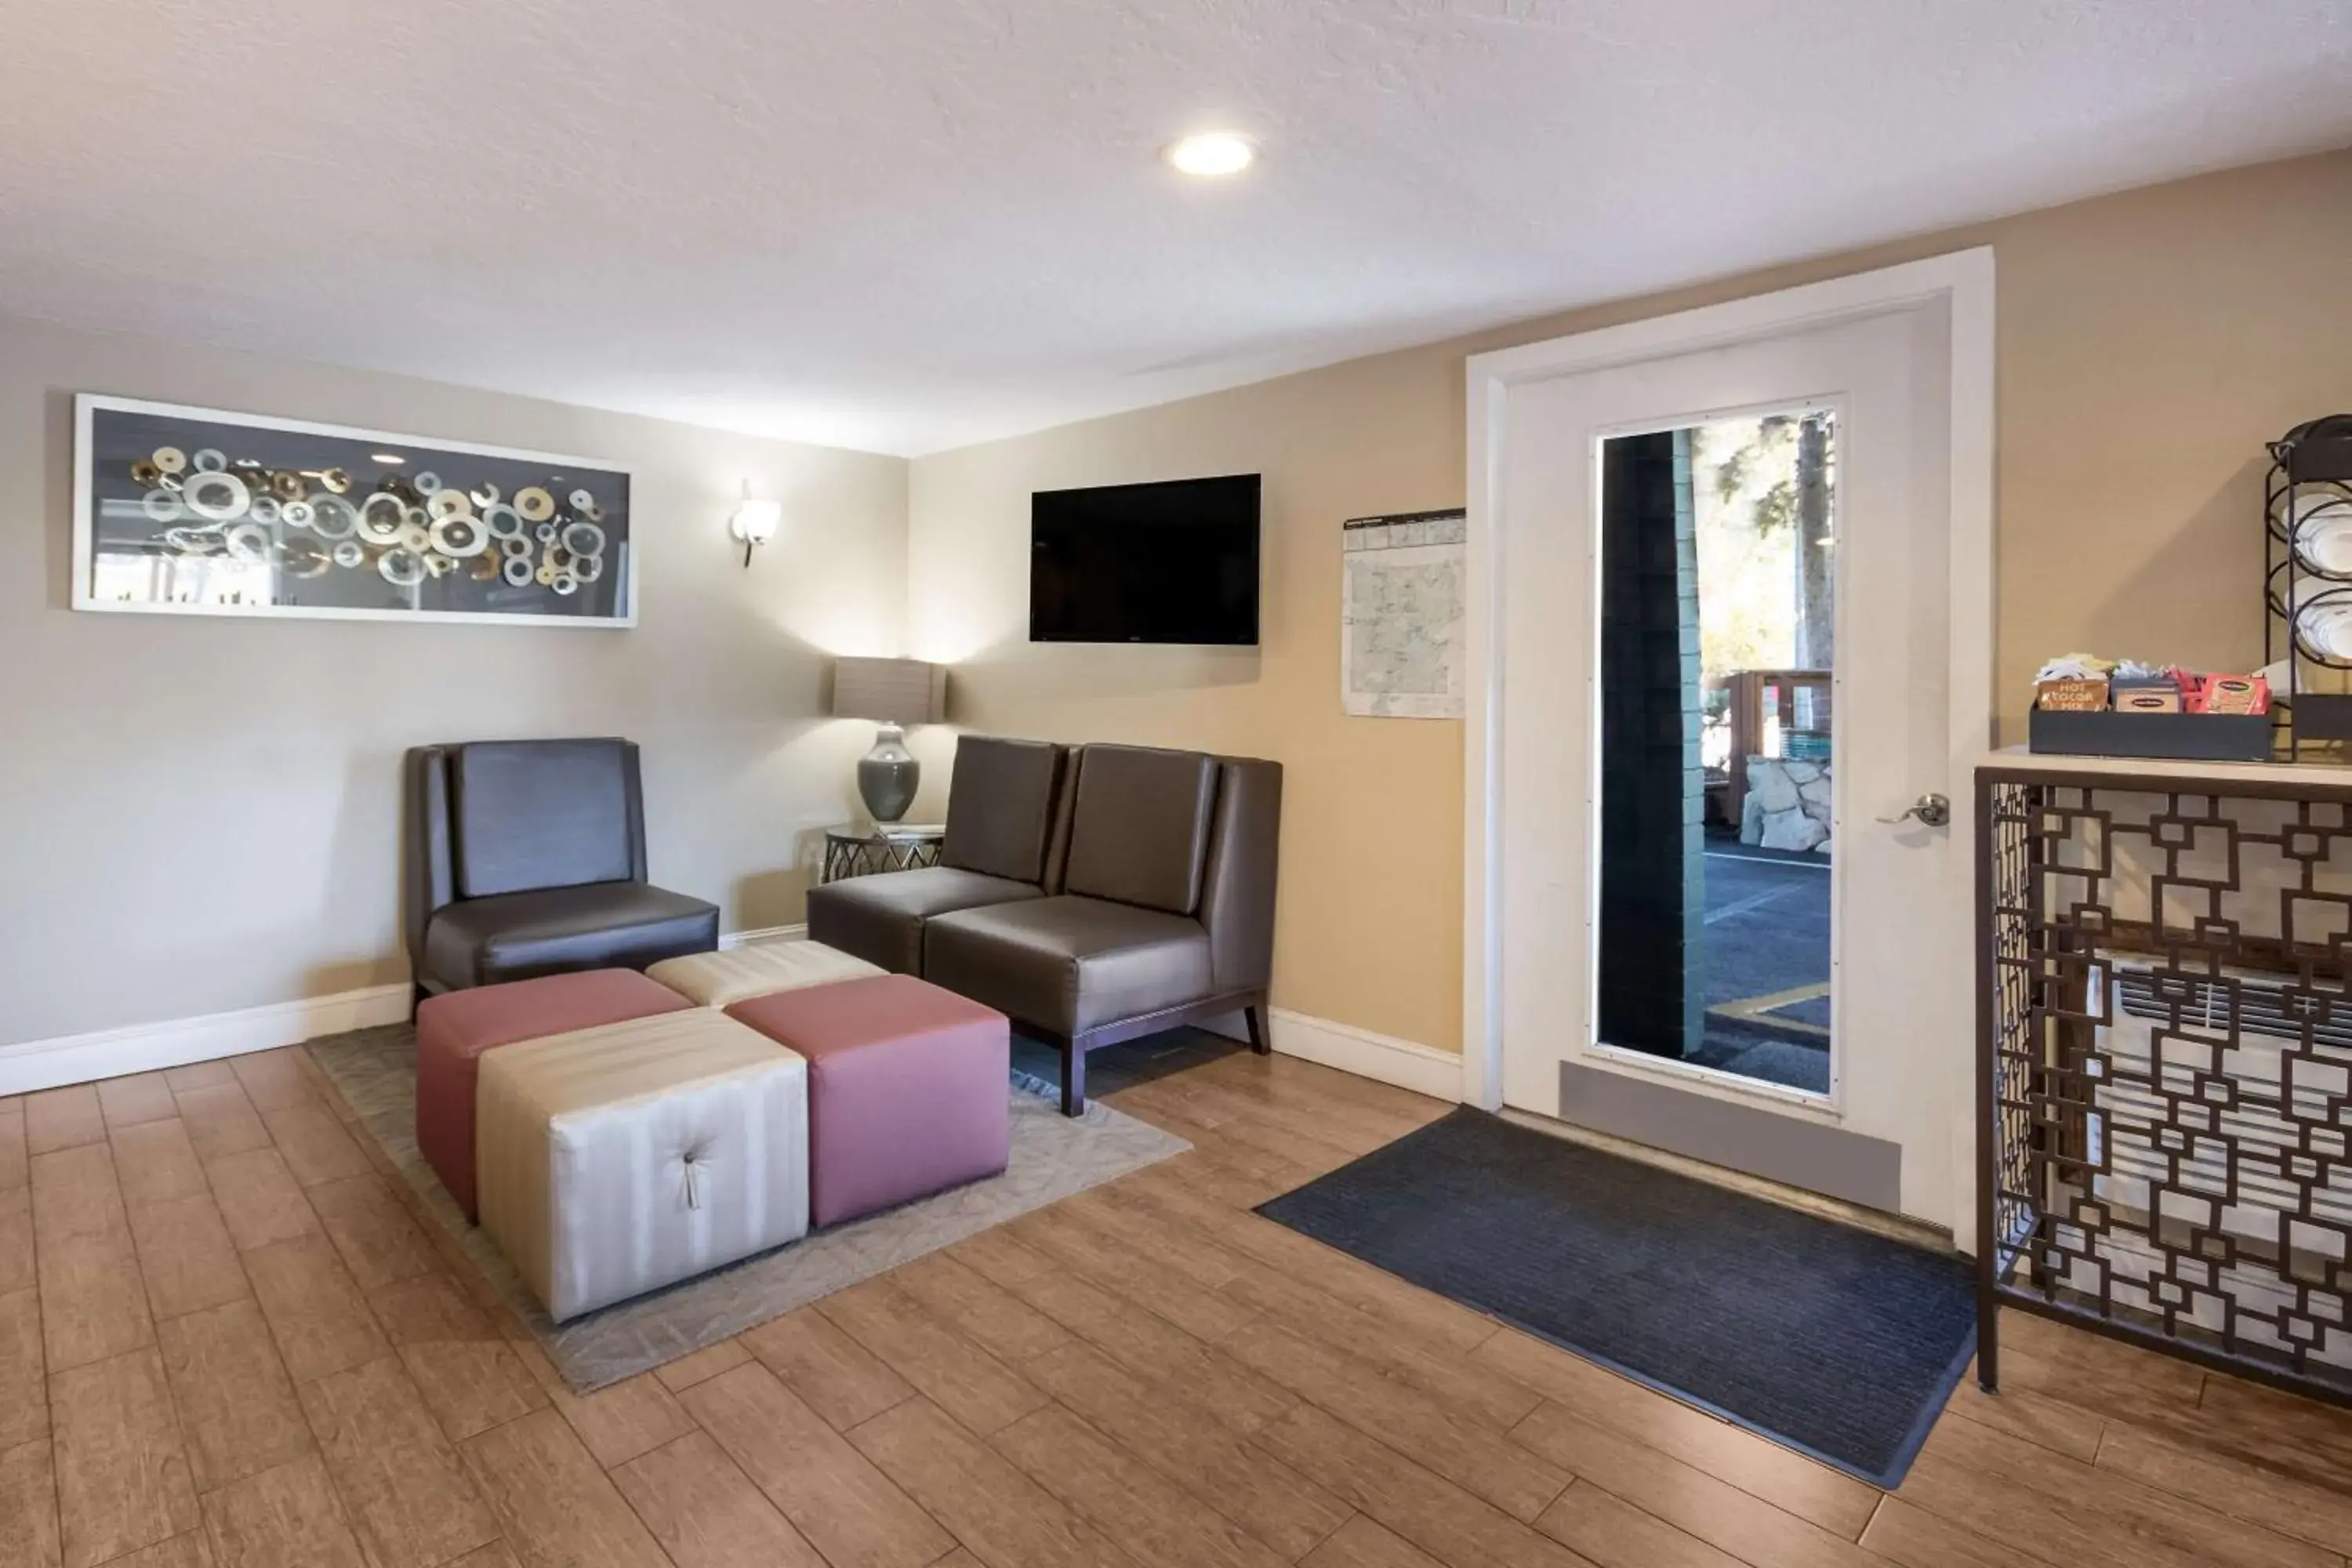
[(226, 1339)]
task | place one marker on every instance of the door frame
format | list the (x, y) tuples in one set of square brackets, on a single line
[(1962, 280)]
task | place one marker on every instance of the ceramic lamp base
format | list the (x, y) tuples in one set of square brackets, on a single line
[(887, 775)]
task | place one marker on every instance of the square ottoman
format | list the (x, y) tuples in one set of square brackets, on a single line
[(619, 1159), (722, 979), (456, 1027), (909, 1090)]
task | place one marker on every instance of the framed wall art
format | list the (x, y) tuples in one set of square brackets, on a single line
[(182, 511)]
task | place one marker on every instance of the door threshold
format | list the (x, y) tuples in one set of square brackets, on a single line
[(1811, 1105), (1878, 1222)]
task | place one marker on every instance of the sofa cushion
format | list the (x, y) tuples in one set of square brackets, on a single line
[(1000, 807), (542, 813), (1140, 829), (514, 936), (1068, 963), (880, 918)]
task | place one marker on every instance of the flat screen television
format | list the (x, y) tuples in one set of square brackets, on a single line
[(1171, 562)]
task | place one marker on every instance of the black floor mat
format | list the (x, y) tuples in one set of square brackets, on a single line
[(1840, 1344)]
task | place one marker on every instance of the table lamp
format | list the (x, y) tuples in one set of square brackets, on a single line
[(893, 692)]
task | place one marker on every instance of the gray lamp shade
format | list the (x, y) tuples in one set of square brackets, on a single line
[(889, 690)]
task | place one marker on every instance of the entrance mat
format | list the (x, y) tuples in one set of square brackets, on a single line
[(1840, 1344)]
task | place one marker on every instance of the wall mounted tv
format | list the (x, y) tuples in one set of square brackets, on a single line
[(1173, 563)]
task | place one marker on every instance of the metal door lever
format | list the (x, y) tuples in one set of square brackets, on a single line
[(1932, 810)]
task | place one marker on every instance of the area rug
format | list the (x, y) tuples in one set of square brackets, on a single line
[(1839, 1343), (1053, 1157)]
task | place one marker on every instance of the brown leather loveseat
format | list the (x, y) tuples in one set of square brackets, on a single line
[(1092, 894)]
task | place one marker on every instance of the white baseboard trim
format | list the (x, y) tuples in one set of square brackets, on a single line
[(1384, 1058), (1424, 1069), (176, 1042), (730, 940)]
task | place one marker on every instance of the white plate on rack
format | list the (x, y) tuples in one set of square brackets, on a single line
[(2323, 619), (2322, 529), (2308, 500), (2323, 540), (2311, 493)]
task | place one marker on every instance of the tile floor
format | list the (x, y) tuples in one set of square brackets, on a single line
[(227, 1341)]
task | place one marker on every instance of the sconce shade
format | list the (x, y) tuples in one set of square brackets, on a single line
[(755, 520), (889, 690)]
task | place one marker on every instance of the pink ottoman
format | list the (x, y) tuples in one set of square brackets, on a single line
[(456, 1027), (907, 1090)]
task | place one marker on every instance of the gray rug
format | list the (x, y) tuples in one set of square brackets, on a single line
[(1053, 1157)]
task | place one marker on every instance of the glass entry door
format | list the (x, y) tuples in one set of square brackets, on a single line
[(1718, 577), (1726, 657)]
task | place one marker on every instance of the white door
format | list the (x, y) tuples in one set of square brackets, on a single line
[(1888, 1124)]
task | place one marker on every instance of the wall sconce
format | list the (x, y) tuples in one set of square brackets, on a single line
[(755, 520)]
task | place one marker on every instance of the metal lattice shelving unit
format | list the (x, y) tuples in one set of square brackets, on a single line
[(2165, 1077)]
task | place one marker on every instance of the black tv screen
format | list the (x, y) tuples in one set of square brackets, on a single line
[(1174, 562)]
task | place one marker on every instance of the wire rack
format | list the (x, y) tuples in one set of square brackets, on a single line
[(2309, 481), (2165, 1083)]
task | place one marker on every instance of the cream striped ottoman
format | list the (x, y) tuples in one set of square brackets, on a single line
[(762, 969), (615, 1160)]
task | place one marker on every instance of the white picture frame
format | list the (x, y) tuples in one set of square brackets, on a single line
[(89, 408)]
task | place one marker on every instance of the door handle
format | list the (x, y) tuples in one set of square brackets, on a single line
[(1932, 810)]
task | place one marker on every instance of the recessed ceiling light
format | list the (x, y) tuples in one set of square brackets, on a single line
[(386, 458), (1212, 154)]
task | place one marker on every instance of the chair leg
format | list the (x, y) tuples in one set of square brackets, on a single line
[(1074, 1078), (1254, 1020), (417, 994)]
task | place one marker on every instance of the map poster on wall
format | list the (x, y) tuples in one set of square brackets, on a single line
[(1401, 615)]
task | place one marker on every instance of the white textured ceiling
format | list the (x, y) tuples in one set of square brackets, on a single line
[(906, 225)]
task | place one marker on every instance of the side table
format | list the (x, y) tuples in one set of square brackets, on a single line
[(861, 848)]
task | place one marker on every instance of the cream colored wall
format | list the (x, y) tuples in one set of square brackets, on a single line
[(2149, 344), (1369, 922), (199, 814)]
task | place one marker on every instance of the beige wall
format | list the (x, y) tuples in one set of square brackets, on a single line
[(2149, 344), (199, 813), (1369, 920)]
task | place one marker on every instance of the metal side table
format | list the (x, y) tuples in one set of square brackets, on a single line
[(2162, 1114), (862, 848)]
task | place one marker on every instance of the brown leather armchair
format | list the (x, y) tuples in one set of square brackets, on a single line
[(1160, 912), (528, 857)]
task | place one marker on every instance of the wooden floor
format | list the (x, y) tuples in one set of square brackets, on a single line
[(224, 1339)]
